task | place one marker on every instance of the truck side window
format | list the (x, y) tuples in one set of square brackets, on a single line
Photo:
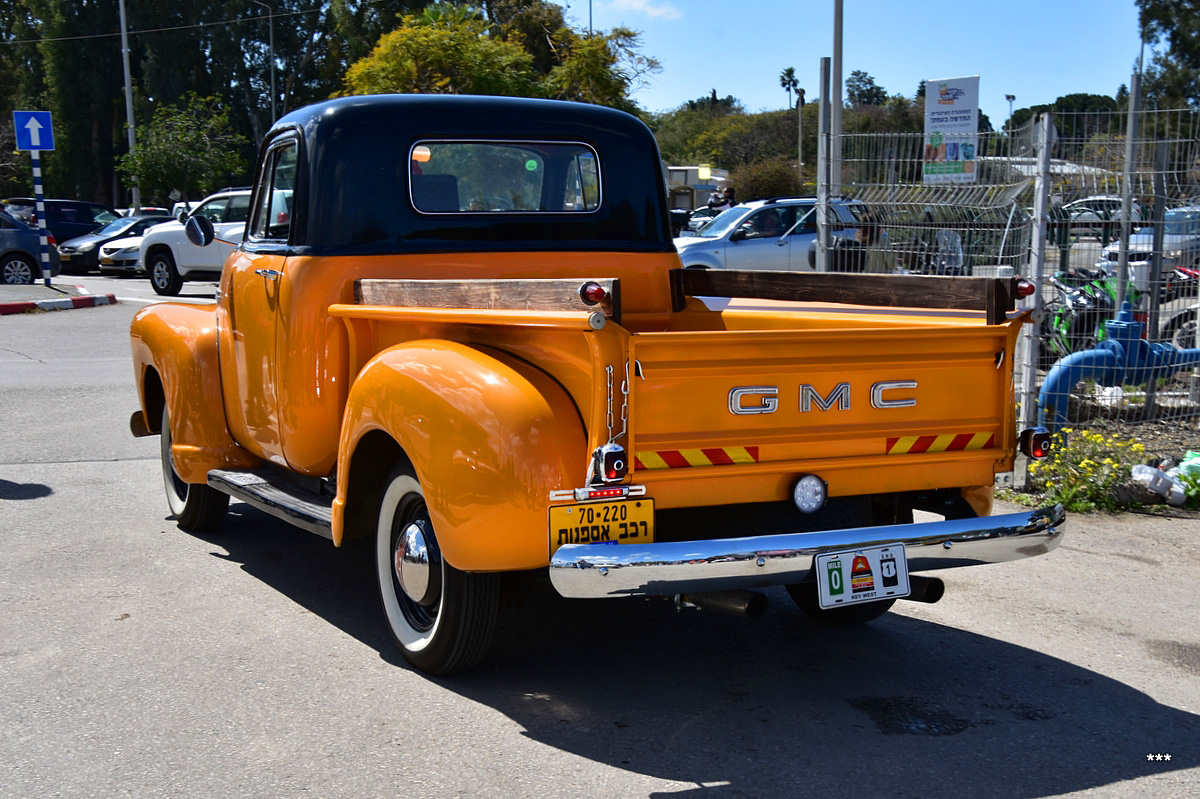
[(273, 214), (447, 177)]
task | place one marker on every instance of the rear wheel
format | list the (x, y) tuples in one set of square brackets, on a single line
[(805, 597), (441, 618), (18, 270), (196, 507), (163, 275)]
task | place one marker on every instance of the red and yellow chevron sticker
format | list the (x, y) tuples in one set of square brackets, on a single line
[(948, 442), (686, 458)]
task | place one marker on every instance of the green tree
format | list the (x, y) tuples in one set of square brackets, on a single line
[(678, 130), (738, 140), (442, 56), (861, 89), (769, 177), (1173, 29), (189, 149), (78, 72), (787, 79), (603, 69), (455, 52), (533, 25)]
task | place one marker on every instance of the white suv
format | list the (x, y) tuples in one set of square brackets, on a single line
[(765, 234), (169, 258)]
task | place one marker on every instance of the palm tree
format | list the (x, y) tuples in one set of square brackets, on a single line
[(787, 79)]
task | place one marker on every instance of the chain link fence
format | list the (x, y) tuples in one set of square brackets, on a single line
[(1094, 177)]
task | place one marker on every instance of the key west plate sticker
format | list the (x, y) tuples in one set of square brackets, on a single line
[(951, 130), (861, 575)]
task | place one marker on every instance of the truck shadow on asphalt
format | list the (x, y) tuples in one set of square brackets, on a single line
[(773, 707), (11, 490)]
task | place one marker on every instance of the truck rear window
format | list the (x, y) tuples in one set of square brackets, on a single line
[(484, 177)]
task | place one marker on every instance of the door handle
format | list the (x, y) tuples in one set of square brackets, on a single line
[(270, 274)]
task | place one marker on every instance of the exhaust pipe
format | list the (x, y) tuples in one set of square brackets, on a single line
[(746, 604), (925, 589)]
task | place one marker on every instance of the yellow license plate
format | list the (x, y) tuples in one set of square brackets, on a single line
[(106, 260), (627, 521)]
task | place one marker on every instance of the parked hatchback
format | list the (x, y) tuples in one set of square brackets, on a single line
[(765, 234), (81, 254), (20, 252)]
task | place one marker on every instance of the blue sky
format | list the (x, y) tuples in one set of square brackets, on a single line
[(1036, 50)]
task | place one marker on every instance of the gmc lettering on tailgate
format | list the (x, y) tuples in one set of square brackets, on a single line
[(750, 400)]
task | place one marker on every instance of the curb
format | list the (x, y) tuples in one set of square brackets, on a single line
[(67, 303)]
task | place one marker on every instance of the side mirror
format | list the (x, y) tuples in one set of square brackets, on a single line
[(738, 234), (199, 230)]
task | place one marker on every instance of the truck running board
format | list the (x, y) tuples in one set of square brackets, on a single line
[(290, 502)]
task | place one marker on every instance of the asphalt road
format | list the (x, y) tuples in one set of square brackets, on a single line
[(138, 660)]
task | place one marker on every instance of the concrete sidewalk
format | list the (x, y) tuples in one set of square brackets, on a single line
[(59, 296)]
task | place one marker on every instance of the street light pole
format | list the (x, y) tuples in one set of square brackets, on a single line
[(271, 21), (1010, 98)]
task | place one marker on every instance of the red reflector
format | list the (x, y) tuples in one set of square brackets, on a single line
[(592, 293), (1025, 288), (603, 493)]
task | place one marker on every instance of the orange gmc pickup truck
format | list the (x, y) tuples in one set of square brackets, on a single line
[(458, 326)]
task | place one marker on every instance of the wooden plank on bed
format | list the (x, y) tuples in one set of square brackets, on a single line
[(517, 294), (994, 296)]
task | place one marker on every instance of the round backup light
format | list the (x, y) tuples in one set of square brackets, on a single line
[(1025, 288), (809, 494)]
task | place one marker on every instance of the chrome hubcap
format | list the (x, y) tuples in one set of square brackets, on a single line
[(416, 564)]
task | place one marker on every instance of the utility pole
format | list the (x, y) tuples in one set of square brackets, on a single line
[(271, 52), (129, 122), (835, 105)]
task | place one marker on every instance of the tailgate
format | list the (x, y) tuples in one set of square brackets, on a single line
[(866, 409)]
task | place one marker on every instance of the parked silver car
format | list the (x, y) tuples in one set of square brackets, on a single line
[(765, 234)]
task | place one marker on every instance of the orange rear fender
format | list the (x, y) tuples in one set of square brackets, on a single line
[(489, 436)]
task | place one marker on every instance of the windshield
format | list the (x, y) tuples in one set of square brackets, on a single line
[(722, 223), (1181, 223), (117, 226)]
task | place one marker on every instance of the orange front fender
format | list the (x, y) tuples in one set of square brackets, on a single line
[(175, 361), (489, 437)]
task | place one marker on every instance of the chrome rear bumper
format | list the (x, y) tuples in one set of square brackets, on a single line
[(605, 570)]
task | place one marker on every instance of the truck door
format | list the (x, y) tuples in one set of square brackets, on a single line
[(254, 281)]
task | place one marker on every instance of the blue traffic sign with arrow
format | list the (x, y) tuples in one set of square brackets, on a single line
[(33, 129)]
